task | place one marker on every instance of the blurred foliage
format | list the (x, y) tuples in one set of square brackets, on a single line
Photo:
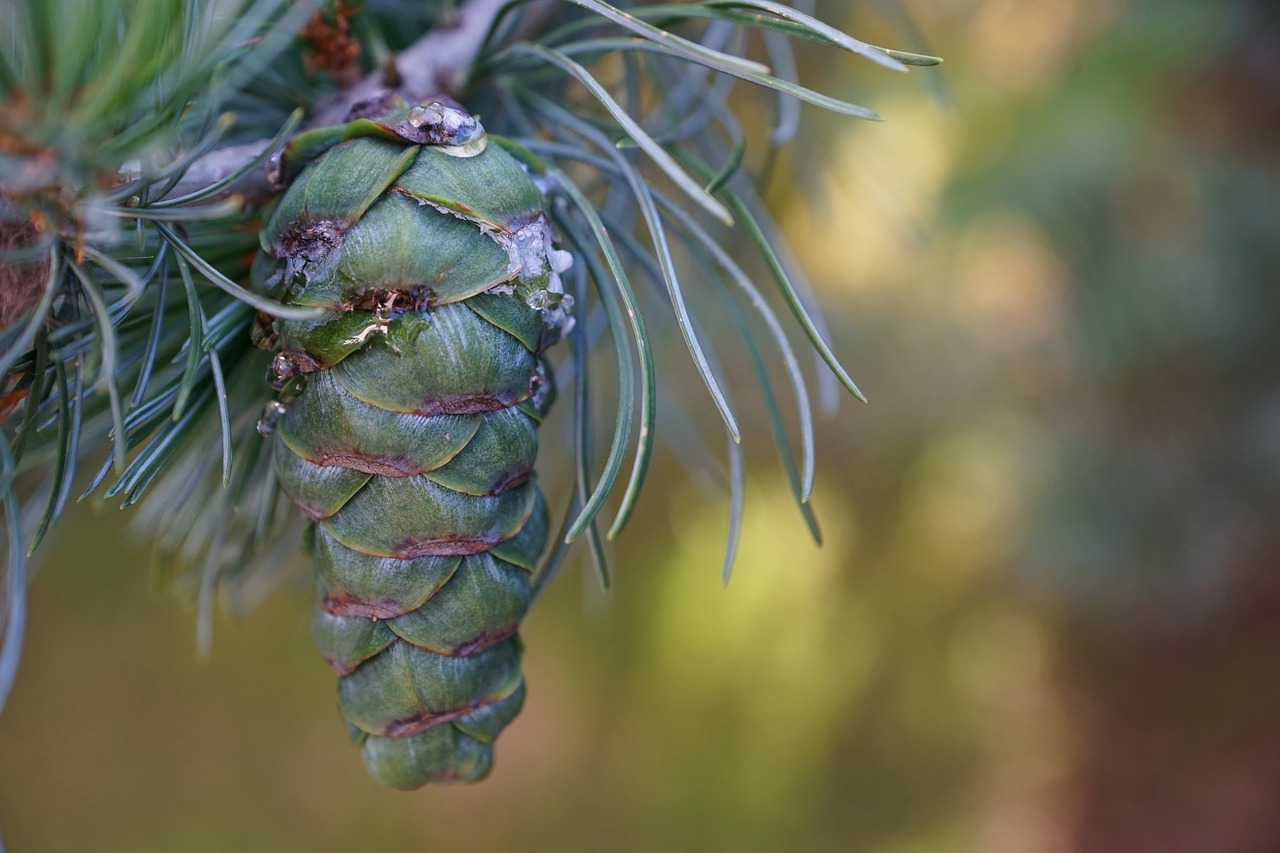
[(1045, 615)]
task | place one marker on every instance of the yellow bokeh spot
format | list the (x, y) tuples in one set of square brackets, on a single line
[(774, 656), (868, 228)]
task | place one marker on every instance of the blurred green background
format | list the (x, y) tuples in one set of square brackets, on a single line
[(1047, 614)]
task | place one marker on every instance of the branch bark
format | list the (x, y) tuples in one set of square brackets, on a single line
[(433, 65)]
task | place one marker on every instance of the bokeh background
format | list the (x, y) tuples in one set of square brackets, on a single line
[(1047, 614)]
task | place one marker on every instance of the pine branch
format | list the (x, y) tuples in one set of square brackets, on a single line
[(141, 338)]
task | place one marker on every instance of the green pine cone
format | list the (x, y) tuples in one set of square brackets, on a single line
[(406, 427)]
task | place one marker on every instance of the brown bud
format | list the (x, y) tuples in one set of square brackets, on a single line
[(22, 282)]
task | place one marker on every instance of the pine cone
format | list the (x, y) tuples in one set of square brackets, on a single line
[(406, 428)]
